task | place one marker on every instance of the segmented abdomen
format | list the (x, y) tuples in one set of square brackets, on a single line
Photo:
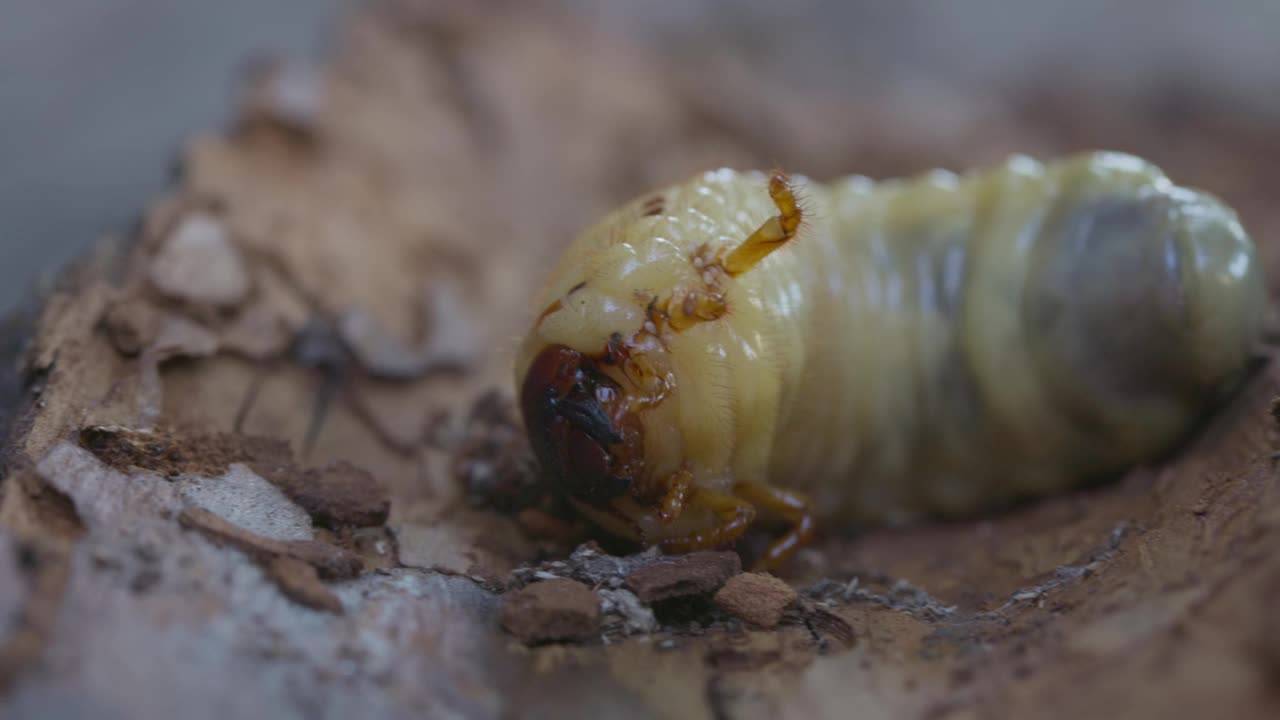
[(955, 342)]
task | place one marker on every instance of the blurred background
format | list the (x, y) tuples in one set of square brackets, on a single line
[(96, 98)]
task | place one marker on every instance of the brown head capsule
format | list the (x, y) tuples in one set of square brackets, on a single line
[(580, 427)]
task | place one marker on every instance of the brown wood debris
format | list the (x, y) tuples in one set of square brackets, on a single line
[(683, 575), (758, 598), (552, 610)]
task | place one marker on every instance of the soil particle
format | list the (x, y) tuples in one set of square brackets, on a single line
[(552, 610), (683, 575), (340, 494), (758, 598)]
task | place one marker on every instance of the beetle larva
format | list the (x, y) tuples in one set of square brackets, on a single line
[(929, 346)]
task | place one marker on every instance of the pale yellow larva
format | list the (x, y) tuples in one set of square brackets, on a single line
[(934, 345)]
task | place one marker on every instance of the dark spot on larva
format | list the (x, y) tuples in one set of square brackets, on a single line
[(655, 205), (557, 305), (651, 311), (612, 350), (553, 307)]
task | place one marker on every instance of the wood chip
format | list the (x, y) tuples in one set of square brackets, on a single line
[(330, 561), (301, 583), (683, 575), (552, 610), (339, 494), (758, 598)]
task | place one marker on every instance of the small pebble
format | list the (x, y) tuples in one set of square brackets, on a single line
[(683, 575), (552, 610), (758, 598)]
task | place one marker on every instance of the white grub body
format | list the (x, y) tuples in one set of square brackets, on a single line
[(936, 345)]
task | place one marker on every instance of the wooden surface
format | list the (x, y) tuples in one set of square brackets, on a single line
[(261, 459)]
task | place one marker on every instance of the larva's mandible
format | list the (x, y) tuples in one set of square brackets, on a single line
[(934, 345)]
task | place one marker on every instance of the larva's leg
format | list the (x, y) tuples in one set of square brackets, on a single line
[(676, 497), (695, 307), (735, 516), (773, 234), (794, 507), (707, 303)]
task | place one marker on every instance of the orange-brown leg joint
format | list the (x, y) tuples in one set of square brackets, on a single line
[(650, 384), (735, 517), (774, 233), (693, 308), (679, 486), (794, 507)]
